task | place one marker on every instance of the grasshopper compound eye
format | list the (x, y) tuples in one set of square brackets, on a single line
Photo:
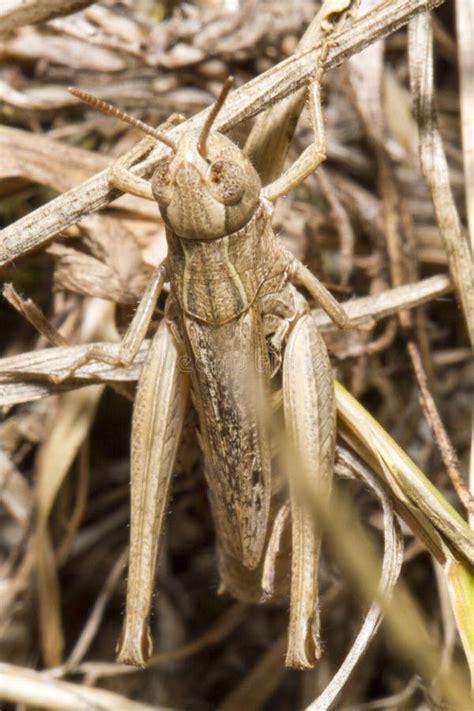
[(226, 181)]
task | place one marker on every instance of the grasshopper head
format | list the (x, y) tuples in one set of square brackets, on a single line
[(206, 194), (207, 188)]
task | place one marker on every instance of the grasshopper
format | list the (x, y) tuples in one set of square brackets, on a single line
[(235, 325)]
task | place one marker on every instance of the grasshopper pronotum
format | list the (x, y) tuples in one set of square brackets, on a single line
[(234, 324)]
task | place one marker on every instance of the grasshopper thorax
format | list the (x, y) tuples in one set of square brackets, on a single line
[(206, 194)]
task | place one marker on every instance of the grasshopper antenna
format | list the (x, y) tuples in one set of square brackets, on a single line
[(202, 148), (110, 110)]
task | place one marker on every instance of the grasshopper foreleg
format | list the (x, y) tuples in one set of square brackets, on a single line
[(134, 336), (302, 276), (310, 159), (308, 398), (122, 178)]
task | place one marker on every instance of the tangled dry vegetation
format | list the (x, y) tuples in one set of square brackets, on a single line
[(384, 224)]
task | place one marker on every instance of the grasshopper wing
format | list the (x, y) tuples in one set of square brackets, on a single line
[(230, 372)]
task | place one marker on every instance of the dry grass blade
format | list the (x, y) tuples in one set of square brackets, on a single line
[(41, 225), (95, 618), (422, 506), (464, 34), (74, 417), (407, 482), (400, 244), (27, 156), (28, 12), (434, 165), (53, 361), (389, 302), (448, 452), (412, 639), (391, 567), (461, 590), (19, 375), (224, 626), (24, 686), (34, 315)]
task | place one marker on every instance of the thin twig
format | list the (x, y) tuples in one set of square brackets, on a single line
[(448, 454), (30, 311), (221, 629)]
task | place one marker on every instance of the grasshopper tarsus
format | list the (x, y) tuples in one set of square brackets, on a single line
[(134, 649)]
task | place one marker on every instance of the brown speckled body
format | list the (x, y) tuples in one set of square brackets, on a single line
[(219, 286), (223, 258)]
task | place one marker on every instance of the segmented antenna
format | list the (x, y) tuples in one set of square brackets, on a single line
[(107, 108), (202, 148)]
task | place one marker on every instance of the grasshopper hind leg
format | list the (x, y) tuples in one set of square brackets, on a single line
[(159, 412), (305, 377), (309, 410)]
